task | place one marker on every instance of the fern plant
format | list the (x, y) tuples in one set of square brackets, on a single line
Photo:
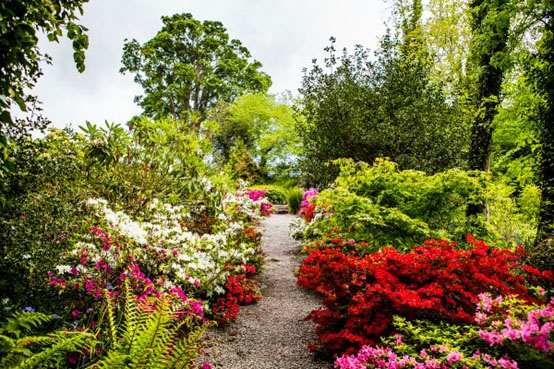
[(156, 337), (22, 348)]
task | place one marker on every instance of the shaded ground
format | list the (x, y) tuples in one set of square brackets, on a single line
[(272, 333)]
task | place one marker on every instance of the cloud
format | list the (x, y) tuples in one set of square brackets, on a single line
[(284, 35)]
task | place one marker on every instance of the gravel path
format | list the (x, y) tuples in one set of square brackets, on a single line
[(271, 334)]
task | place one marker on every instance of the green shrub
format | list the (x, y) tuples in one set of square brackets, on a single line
[(294, 198), (385, 206), (43, 209), (43, 201)]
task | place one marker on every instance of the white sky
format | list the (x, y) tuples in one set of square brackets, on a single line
[(284, 35)]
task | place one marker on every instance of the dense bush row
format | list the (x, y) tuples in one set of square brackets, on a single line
[(361, 294)]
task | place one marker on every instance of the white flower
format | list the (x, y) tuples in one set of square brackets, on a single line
[(62, 269)]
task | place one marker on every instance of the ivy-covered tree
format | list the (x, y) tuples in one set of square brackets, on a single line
[(188, 67), (544, 82), (490, 24)]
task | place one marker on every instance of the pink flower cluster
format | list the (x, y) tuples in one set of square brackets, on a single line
[(255, 195), (312, 192), (440, 358), (266, 208), (533, 329)]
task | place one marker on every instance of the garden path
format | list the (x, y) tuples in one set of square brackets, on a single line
[(271, 334)]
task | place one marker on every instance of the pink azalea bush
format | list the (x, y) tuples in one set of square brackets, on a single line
[(307, 207), (434, 358), (250, 202), (509, 319)]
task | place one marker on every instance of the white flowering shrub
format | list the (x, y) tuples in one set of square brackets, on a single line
[(159, 253)]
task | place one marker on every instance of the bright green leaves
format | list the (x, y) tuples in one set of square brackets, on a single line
[(384, 206), (265, 127)]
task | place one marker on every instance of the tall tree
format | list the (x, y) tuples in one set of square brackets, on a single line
[(188, 67), (263, 125), (544, 77), (447, 34), (490, 25), (364, 109)]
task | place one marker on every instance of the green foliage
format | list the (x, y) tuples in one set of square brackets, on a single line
[(188, 67), (489, 60), (42, 211), (383, 205), (151, 336), (276, 195), (20, 23), (366, 109), (241, 165), (294, 199), (265, 125), (516, 146), (22, 348), (447, 34), (156, 159), (544, 82), (513, 220)]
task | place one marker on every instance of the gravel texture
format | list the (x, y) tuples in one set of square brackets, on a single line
[(271, 333)]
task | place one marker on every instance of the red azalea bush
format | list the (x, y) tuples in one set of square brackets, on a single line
[(240, 291), (434, 281)]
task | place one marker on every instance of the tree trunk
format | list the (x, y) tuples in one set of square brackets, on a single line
[(545, 84), (489, 41)]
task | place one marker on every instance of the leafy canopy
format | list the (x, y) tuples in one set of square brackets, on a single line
[(188, 67), (363, 109), (20, 23), (264, 125)]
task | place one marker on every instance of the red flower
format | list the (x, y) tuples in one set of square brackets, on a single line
[(434, 281)]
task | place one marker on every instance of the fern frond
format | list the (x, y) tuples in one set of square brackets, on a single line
[(131, 319), (187, 349), (112, 327), (22, 322), (68, 342), (149, 339)]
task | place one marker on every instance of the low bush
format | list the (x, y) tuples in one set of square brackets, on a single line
[(383, 206), (274, 194)]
